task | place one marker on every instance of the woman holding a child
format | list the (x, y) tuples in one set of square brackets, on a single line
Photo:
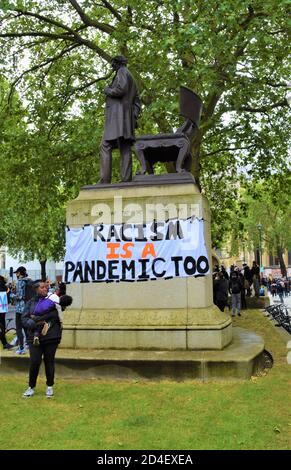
[(44, 332)]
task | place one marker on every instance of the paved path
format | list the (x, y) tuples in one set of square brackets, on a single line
[(275, 300), (11, 315)]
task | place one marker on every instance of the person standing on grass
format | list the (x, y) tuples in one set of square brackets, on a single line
[(235, 288), (48, 340)]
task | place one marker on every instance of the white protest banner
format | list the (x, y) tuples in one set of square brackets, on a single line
[(136, 252)]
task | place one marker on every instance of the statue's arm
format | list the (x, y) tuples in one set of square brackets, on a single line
[(119, 86)]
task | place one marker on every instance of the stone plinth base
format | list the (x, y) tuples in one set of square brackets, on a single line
[(241, 359), (173, 314), (148, 330)]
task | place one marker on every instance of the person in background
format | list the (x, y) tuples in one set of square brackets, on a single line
[(280, 290), (243, 290), (286, 287), (3, 311), (20, 300), (247, 279), (269, 282), (61, 289), (235, 288), (220, 287), (273, 288), (255, 271), (225, 273)]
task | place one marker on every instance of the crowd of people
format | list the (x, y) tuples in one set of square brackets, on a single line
[(278, 287), (39, 307), (230, 289)]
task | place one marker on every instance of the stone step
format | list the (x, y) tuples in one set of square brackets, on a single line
[(240, 360)]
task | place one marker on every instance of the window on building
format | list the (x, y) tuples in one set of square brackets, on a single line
[(274, 260)]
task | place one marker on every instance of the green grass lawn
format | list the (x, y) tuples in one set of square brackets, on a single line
[(147, 415)]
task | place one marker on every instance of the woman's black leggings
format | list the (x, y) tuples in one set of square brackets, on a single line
[(48, 352), (19, 330)]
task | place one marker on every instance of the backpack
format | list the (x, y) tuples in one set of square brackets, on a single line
[(235, 286), (262, 291), (29, 291)]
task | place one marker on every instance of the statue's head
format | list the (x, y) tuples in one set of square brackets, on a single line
[(118, 61)]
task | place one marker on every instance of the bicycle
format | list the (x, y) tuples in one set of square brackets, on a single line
[(280, 314), (9, 329)]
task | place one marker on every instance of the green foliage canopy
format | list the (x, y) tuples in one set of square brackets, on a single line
[(262, 219), (234, 53)]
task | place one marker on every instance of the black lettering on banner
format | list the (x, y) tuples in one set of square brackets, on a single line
[(101, 270), (202, 259), (128, 267), (144, 274), (192, 269), (69, 267), (112, 233), (174, 231), (78, 272), (89, 269), (153, 267), (154, 228), (122, 230), (176, 260), (97, 234), (140, 237), (112, 266)]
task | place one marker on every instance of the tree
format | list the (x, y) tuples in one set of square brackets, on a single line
[(32, 208), (232, 52), (266, 208)]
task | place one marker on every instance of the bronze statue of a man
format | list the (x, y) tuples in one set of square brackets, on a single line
[(121, 114)]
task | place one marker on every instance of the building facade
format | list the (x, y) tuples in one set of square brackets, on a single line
[(9, 263), (269, 262)]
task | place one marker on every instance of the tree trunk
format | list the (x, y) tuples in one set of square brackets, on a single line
[(282, 262), (43, 269)]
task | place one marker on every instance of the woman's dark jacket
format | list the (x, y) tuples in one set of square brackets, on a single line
[(54, 333), (3, 287), (221, 290)]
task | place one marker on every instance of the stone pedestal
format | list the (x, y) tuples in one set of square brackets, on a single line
[(174, 314), (244, 357)]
